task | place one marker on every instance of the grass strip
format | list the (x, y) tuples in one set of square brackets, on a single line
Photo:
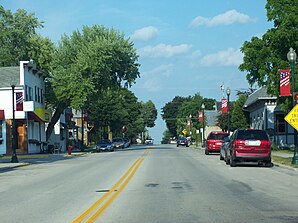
[(283, 161)]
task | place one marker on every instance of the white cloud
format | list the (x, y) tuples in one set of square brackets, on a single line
[(196, 53), (227, 18), (164, 69), (163, 50), (228, 57), (152, 85), (145, 33)]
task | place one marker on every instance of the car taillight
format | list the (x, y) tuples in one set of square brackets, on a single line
[(265, 143), (239, 143)]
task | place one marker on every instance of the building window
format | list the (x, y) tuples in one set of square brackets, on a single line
[(35, 92), (41, 96), (26, 93), (30, 93), (1, 136), (38, 95), (280, 124)]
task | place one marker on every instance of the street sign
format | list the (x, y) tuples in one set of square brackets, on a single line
[(184, 131), (292, 117)]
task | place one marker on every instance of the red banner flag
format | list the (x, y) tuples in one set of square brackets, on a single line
[(224, 105), (19, 101), (284, 83), (200, 116)]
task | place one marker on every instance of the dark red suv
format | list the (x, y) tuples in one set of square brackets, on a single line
[(214, 141), (249, 145)]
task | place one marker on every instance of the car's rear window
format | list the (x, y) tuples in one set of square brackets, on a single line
[(252, 134), (217, 136)]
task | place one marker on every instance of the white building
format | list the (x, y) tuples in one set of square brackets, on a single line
[(30, 113), (265, 114)]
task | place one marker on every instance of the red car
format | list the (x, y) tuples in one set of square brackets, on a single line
[(214, 141), (249, 145)]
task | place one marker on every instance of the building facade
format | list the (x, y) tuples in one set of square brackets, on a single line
[(30, 114), (265, 114)]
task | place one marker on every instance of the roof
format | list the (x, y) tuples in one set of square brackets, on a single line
[(258, 95), (9, 74), (211, 116)]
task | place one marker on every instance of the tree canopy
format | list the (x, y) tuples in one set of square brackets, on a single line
[(19, 40), (87, 62), (265, 56)]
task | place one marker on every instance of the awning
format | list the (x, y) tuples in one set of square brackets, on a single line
[(34, 117), (2, 117)]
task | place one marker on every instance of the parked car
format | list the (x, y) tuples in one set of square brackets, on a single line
[(249, 145), (223, 149), (127, 142), (182, 142), (118, 143), (104, 145), (214, 141)]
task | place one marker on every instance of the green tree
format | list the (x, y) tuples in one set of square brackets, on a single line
[(169, 113), (19, 40), (149, 113), (239, 118), (86, 62), (166, 137), (263, 57)]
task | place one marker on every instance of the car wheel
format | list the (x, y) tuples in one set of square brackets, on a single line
[(232, 161), (177, 145), (187, 145), (206, 152), (268, 164)]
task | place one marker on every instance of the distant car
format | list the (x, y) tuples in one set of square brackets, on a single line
[(118, 143), (249, 145), (149, 141), (214, 141), (104, 145), (182, 142), (173, 141)]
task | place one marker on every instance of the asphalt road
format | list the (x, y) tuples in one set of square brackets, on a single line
[(148, 184)]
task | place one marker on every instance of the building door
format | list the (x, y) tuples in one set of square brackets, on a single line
[(22, 138)]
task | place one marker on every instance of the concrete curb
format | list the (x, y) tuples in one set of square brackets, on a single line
[(13, 166), (284, 166)]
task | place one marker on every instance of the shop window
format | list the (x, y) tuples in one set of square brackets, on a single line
[(280, 124)]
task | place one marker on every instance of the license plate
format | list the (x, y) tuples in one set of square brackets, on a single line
[(252, 142)]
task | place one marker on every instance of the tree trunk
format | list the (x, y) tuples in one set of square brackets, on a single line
[(60, 108)]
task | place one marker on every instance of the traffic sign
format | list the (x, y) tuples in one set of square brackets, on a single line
[(292, 117), (184, 131)]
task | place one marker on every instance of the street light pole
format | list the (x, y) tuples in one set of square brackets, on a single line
[(203, 120), (228, 94), (292, 58), (14, 158)]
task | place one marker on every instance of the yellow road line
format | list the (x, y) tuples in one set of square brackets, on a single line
[(98, 202), (104, 207)]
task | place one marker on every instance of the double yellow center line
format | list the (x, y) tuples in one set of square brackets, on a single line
[(95, 210)]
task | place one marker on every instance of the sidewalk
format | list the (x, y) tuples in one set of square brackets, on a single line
[(26, 160)]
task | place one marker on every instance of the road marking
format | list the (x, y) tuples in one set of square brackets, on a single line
[(147, 151), (124, 181)]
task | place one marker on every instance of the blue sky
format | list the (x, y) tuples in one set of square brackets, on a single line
[(185, 47)]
